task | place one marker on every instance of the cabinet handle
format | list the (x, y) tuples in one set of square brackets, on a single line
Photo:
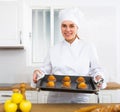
[(20, 37), (30, 34), (6, 95)]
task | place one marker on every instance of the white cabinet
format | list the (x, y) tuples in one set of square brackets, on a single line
[(93, 98), (106, 96), (42, 96), (10, 22), (110, 96), (4, 95), (30, 95)]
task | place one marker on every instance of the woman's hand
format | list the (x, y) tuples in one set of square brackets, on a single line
[(36, 73), (99, 81)]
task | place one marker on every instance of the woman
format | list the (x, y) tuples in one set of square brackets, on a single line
[(73, 56)]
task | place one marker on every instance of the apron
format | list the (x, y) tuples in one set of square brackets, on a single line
[(66, 97)]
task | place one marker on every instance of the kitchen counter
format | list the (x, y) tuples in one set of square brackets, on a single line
[(58, 107), (11, 86), (110, 86), (51, 107), (54, 107)]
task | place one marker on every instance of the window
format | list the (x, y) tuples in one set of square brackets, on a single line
[(45, 32)]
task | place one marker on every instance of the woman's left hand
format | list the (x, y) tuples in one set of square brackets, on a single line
[(99, 81)]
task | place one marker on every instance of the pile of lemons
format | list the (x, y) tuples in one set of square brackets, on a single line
[(17, 103)]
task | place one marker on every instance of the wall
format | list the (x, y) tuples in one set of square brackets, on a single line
[(102, 18), (13, 62), (13, 67), (103, 30)]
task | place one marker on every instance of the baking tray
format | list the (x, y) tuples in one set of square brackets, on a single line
[(91, 86)]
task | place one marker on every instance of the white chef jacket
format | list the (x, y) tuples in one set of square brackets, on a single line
[(78, 58)]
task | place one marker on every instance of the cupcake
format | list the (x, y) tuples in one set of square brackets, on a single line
[(50, 84), (82, 85), (66, 79), (80, 79), (51, 78), (66, 85)]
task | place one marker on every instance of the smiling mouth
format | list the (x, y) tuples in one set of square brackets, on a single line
[(67, 34)]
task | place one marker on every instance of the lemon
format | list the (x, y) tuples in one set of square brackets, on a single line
[(7, 101), (10, 106), (17, 98), (25, 106)]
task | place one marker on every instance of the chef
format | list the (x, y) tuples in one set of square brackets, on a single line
[(73, 56)]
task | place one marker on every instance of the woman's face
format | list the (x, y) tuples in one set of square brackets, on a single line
[(69, 31)]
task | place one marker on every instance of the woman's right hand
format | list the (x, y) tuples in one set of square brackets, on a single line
[(36, 73)]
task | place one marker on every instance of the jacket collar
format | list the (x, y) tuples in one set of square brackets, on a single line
[(73, 43)]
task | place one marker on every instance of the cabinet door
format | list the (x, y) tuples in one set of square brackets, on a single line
[(42, 96), (32, 96), (5, 95), (110, 96), (10, 29)]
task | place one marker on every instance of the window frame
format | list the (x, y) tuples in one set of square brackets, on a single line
[(52, 37)]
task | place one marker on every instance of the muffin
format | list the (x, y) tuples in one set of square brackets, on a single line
[(82, 85), (66, 79), (51, 78), (50, 84), (66, 84), (80, 79)]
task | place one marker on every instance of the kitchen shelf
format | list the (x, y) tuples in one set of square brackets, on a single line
[(11, 47)]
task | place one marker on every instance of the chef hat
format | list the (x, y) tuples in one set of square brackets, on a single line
[(71, 14)]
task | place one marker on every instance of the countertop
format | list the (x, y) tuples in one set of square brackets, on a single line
[(11, 86), (55, 107), (110, 86), (51, 107)]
